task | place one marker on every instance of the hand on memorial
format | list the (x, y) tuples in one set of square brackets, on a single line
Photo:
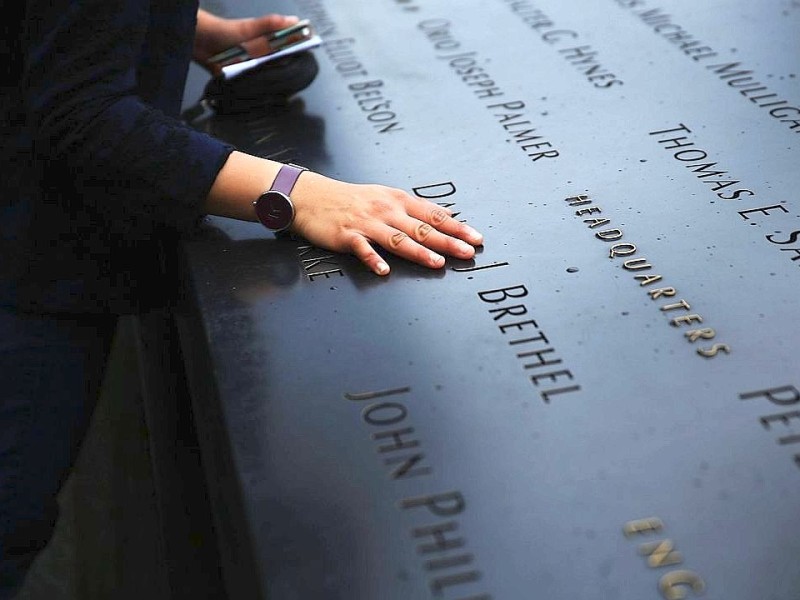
[(215, 34), (348, 217)]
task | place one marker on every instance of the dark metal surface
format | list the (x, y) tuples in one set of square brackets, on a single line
[(367, 429)]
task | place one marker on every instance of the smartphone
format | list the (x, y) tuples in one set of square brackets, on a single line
[(237, 60), (290, 35)]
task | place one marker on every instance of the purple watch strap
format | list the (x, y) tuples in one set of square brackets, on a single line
[(286, 178)]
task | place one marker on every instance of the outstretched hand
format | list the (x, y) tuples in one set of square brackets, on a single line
[(348, 217)]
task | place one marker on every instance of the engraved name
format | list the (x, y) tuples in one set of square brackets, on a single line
[(723, 185), (737, 77), (448, 563), (368, 93), (530, 344), (523, 335), (784, 425), (470, 68), (583, 57)]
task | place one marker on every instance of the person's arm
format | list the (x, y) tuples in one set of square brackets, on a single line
[(336, 215), (87, 119), (90, 128), (346, 217)]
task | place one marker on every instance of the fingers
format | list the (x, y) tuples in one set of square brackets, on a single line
[(400, 243), (416, 230), (352, 218), (364, 251), (419, 245), (440, 218), (431, 236), (272, 22), (396, 242), (252, 30)]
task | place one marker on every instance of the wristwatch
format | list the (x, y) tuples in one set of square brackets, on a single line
[(274, 208)]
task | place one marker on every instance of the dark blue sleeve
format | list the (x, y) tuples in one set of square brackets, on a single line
[(102, 81)]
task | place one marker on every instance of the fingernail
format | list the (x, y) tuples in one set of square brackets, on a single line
[(436, 260), (464, 247), (382, 268), (474, 235)]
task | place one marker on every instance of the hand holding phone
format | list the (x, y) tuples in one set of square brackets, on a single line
[(247, 55)]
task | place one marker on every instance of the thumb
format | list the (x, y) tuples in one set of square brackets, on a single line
[(267, 23)]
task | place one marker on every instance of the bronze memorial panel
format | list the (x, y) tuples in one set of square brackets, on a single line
[(605, 404)]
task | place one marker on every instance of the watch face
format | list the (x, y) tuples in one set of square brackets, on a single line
[(274, 210)]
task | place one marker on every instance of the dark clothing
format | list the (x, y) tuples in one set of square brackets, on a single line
[(97, 175), (51, 369), (97, 172)]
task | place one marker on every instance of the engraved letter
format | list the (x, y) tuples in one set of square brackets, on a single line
[(396, 413), (379, 394), (515, 105), (682, 127), (783, 396), (443, 505), (642, 526), (441, 542), (519, 325), (682, 304), (636, 264), (578, 200), (763, 210), (435, 190), (660, 554), (695, 334), (792, 238), (782, 417), (795, 250), (592, 210), (690, 156), (438, 584), (498, 295), (406, 468), (609, 235), (545, 394), (517, 310), (621, 250), (686, 319), (553, 376), (596, 222), (647, 279), (550, 36), (714, 350), (449, 562), (541, 361), (398, 443), (669, 584), (657, 293)]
